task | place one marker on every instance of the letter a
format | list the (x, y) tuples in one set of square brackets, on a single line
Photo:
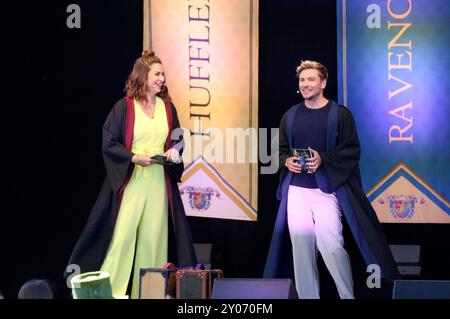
[(73, 20), (374, 19), (374, 279)]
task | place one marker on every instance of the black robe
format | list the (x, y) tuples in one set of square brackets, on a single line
[(338, 173), (92, 246)]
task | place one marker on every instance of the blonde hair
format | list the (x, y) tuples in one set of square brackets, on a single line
[(309, 64)]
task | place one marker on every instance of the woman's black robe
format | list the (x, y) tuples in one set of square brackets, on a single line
[(92, 246)]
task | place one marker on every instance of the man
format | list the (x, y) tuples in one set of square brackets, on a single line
[(314, 196)]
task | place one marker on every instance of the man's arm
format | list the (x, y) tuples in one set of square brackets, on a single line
[(341, 162)]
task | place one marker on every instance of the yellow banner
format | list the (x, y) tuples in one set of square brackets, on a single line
[(209, 51)]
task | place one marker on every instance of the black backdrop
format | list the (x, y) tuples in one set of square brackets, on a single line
[(74, 76)]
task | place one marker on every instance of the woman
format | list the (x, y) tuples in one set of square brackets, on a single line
[(130, 220)]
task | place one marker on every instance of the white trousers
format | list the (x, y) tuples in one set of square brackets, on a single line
[(314, 220)]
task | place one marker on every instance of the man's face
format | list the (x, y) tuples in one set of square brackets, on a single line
[(310, 84)]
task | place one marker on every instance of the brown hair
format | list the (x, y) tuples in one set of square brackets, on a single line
[(308, 64), (136, 83)]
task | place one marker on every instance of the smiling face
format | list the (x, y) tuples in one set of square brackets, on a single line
[(155, 79), (311, 85)]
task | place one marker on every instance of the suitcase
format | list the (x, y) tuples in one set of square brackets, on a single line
[(196, 283), (158, 283)]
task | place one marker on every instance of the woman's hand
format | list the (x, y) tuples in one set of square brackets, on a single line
[(314, 162), (141, 160), (293, 166), (173, 155)]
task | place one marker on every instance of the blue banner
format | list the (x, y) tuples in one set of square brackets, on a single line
[(394, 66)]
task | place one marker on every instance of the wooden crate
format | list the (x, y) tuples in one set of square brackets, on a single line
[(196, 283), (158, 283)]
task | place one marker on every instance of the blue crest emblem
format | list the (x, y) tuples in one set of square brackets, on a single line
[(199, 197), (401, 206)]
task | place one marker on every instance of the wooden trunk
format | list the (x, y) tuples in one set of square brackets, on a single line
[(158, 283), (196, 284)]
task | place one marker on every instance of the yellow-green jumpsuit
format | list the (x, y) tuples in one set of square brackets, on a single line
[(141, 231)]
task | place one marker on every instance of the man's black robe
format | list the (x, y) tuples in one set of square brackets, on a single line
[(94, 241), (339, 173)]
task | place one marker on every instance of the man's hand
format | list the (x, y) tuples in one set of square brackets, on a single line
[(314, 162), (292, 165)]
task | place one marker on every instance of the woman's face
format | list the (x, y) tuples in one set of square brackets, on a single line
[(155, 79)]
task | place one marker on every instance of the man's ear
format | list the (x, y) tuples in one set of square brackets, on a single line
[(323, 84)]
